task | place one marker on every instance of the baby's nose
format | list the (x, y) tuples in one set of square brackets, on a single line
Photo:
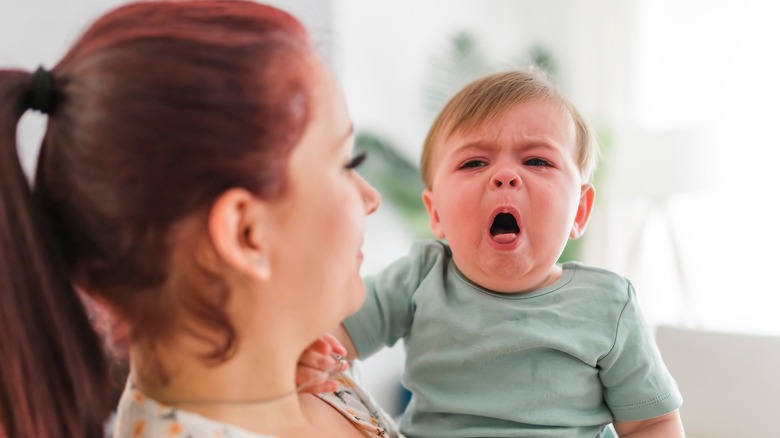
[(505, 179)]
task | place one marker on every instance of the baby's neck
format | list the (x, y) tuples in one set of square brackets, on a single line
[(519, 285)]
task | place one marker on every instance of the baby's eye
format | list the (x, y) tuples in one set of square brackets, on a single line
[(356, 161), (537, 162), (473, 163)]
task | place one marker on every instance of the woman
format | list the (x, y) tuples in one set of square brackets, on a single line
[(195, 181)]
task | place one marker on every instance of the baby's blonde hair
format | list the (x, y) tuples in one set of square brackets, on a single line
[(488, 97)]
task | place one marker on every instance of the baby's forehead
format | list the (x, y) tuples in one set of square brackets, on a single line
[(531, 113)]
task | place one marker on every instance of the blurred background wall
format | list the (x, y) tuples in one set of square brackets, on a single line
[(683, 95)]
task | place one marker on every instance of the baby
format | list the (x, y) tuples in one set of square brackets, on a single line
[(500, 339)]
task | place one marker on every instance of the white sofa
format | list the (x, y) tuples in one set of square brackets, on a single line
[(730, 382)]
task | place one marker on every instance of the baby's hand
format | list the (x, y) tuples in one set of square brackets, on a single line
[(318, 363)]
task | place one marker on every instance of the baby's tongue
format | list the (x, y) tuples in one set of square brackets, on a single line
[(505, 237)]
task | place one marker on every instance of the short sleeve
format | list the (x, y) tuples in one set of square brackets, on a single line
[(637, 385), (387, 312)]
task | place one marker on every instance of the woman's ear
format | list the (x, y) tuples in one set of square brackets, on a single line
[(238, 224), (584, 208)]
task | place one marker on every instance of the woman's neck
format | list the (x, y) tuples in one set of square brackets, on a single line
[(254, 389)]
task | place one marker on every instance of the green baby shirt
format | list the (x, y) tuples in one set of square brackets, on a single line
[(562, 361)]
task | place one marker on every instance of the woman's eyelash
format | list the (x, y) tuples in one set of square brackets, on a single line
[(356, 161)]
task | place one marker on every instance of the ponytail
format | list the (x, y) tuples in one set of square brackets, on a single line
[(53, 373)]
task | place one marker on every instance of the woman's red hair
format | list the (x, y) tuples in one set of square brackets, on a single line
[(159, 108)]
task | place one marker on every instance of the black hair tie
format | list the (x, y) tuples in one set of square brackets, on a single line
[(42, 98)]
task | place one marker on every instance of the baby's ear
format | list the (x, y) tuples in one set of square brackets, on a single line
[(584, 208), (433, 215)]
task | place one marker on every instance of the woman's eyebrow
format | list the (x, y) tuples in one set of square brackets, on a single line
[(346, 136)]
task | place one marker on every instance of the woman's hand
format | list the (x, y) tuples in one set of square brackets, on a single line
[(318, 363)]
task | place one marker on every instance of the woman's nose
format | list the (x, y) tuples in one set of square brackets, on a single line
[(371, 197), (505, 178)]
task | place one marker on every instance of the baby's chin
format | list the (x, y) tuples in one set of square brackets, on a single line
[(504, 274)]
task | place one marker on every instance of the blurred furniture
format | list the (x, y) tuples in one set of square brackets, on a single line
[(730, 382), (653, 167)]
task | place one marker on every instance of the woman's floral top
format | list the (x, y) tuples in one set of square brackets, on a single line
[(358, 406), (139, 416)]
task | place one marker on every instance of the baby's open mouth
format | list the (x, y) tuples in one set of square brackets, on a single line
[(504, 228)]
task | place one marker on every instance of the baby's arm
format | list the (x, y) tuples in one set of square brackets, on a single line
[(665, 426), (341, 334)]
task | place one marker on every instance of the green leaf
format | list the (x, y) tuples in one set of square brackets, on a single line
[(397, 179)]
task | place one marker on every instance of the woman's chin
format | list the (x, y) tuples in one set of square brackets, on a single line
[(357, 295)]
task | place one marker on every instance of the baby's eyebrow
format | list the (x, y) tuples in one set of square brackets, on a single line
[(541, 145), (477, 146), (486, 146)]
